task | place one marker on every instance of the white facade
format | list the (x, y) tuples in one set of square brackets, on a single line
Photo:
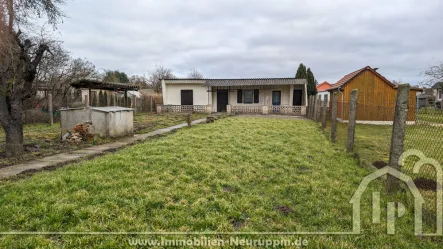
[(172, 93), (322, 95)]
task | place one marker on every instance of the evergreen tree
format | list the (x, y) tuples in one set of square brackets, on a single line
[(105, 99), (100, 98), (301, 72), (112, 100), (312, 87)]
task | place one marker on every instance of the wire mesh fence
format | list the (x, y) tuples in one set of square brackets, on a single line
[(426, 136), (372, 144)]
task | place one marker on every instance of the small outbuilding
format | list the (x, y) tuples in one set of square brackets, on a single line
[(112, 121), (376, 97)]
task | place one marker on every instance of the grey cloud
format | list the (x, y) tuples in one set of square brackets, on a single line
[(249, 38)]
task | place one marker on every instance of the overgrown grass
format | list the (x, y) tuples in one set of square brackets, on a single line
[(234, 175), (47, 137)]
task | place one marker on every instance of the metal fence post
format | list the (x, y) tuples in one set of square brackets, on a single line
[(352, 117), (325, 104), (334, 117), (398, 134)]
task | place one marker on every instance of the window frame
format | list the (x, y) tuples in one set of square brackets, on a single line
[(252, 96)]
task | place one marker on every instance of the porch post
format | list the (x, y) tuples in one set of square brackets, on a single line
[(306, 94), (291, 95), (228, 109)]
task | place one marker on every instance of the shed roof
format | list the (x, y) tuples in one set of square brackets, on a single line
[(95, 84), (347, 78), (243, 82)]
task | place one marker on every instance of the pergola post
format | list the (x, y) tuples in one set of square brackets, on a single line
[(126, 98), (90, 95)]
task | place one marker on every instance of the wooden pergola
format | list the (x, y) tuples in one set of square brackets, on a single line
[(102, 85)]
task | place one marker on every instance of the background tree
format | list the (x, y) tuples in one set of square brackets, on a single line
[(155, 77), (312, 86), (433, 74), (115, 76), (140, 81), (195, 74), (19, 61)]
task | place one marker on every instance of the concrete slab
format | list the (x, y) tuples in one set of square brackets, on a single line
[(83, 153)]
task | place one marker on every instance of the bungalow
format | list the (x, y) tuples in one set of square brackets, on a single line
[(260, 96), (376, 96)]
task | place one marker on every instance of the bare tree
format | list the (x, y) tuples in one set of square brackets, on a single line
[(433, 75), (195, 74), (139, 80), (19, 61), (156, 76)]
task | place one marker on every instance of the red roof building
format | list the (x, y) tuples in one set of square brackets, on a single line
[(323, 86)]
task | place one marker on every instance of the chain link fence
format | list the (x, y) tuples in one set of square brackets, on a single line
[(426, 136), (372, 142)]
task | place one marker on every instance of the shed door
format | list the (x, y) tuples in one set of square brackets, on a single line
[(187, 97)]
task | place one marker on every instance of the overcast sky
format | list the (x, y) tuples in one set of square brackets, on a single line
[(251, 38)]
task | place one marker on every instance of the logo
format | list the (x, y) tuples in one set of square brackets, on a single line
[(391, 207)]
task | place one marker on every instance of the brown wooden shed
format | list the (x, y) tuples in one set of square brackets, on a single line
[(376, 96)]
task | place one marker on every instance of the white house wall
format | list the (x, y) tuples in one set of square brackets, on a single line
[(172, 94)]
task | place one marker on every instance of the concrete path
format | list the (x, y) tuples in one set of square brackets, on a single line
[(64, 158)]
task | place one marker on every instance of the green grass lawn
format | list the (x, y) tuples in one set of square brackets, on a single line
[(234, 175), (47, 137)]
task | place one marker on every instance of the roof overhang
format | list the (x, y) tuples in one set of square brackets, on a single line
[(102, 85), (239, 82)]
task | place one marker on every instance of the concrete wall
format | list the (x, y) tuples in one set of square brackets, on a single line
[(121, 123), (172, 93), (70, 118)]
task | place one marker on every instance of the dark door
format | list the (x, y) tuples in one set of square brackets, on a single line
[(297, 98), (276, 97), (222, 101), (187, 97)]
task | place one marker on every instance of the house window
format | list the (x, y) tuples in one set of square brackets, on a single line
[(248, 96)]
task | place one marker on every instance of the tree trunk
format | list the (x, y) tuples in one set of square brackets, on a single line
[(14, 138)]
